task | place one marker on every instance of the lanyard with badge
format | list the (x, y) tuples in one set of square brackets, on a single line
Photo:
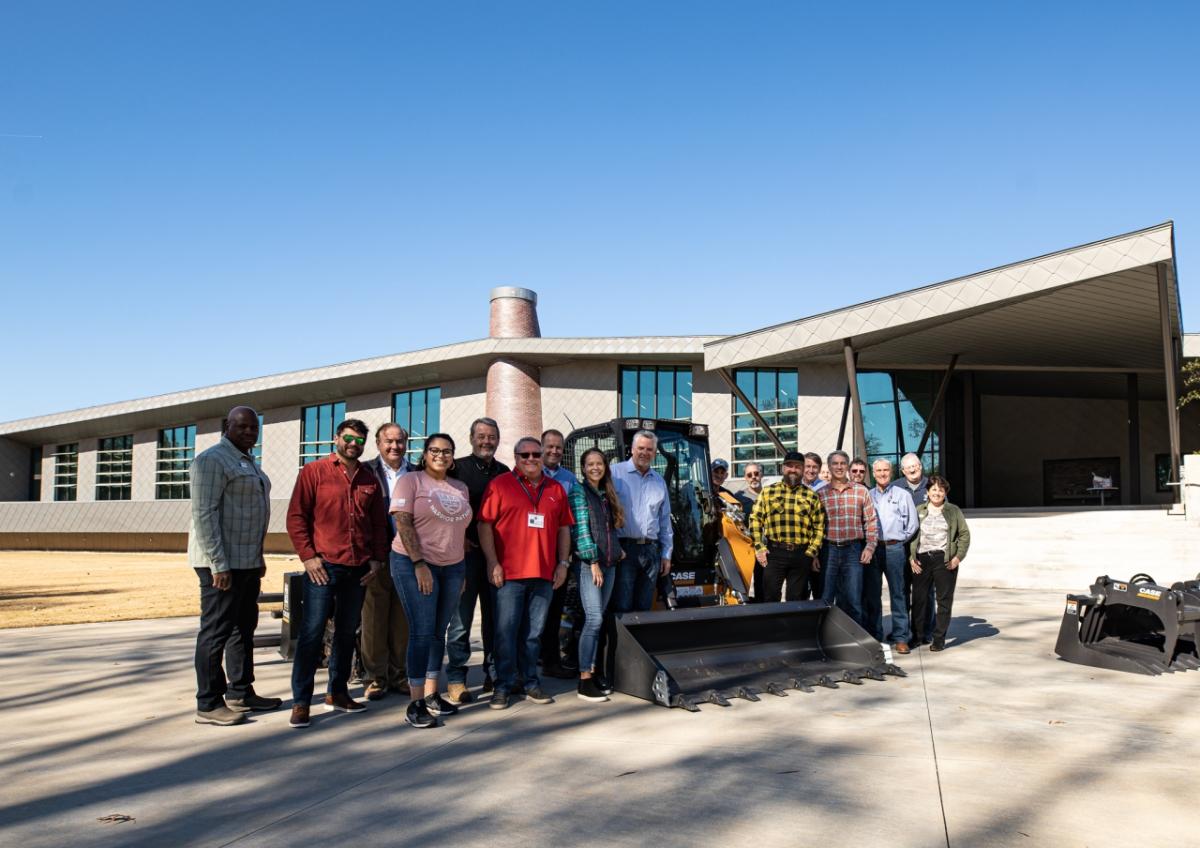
[(534, 519)]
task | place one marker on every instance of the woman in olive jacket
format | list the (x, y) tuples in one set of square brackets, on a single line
[(935, 554)]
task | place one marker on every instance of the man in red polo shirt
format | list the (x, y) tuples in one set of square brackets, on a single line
[(338, 524), (525, 533)]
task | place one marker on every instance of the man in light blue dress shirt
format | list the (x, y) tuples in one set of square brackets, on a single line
[(553, 443), (647, 537), (897, 523)]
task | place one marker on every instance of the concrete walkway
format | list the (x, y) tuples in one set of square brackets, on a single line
[(993, 742)]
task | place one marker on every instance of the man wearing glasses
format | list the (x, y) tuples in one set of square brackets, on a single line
[(338, 524), (525, 533), (858, 472)]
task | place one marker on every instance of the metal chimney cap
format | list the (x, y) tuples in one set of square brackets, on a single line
[(514, 291)]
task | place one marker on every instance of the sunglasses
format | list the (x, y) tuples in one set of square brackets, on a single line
[(348, 439), (439, 451), (530, 454)]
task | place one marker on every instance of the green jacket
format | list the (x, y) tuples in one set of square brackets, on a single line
[(959, 533)]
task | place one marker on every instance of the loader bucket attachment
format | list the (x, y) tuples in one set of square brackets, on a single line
[(713, 654), (1141, 628)]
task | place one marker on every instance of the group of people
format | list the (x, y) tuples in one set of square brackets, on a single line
[(399, 555), (824, 532)]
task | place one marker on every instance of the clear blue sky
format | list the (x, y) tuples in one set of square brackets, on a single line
[(195, 193)]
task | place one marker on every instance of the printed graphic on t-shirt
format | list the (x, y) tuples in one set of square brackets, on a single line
[(447, 505)]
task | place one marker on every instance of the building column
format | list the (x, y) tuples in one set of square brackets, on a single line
[(1134, 484), (1170, 372), (860, 434)]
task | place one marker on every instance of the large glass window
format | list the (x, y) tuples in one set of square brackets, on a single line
[(66, 472), (114, 468), (176, 450), (656, 392), (420, 413), (773, 392), (895, 408), (316, 429)]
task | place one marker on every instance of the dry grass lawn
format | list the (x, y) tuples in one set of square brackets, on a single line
[(66, 587)]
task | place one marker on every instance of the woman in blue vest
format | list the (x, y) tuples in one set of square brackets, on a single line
[(596, 507)]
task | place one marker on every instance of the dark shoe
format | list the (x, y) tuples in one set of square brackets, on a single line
[(254, 703), (938, 646), (500, 700), (222, 716), (603, 684), (589, 690), (902, 648), (418, 715), (299, 715), (458, 694), (538, 695), (439, 706), (375, 691), (557, 671), (343, 703), (487, 687)]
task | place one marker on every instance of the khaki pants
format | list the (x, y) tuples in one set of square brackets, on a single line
[(384, 640)]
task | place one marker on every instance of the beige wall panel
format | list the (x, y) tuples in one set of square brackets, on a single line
[(281, 448), (145, 446), (374, 409), (48, 472), (86, 483), (583, 392), (208, 433), (462, 402), (819, 409), (712, 405)]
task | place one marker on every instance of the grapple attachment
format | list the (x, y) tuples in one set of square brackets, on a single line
[(711, 655), (1135, 626)]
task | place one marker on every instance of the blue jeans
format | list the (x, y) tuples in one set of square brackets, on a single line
[(637, 577), (521, 607), (843, 578), (889, 562), (594, 599), (428, 615), (343, 596), (458, 637)]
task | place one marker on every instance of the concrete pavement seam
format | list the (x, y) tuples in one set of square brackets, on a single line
[(933, 744)]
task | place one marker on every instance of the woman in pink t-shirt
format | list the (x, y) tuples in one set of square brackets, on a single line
[(432, 512)]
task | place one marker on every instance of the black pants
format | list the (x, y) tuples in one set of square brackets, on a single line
[(227, 622), (551, 649), (794, 567), (933, 574)]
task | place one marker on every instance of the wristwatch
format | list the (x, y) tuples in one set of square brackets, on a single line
[(564, 563)]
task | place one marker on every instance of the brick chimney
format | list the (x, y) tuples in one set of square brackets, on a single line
[(514, 391)]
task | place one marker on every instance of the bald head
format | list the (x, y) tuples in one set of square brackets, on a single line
[(241, 428)]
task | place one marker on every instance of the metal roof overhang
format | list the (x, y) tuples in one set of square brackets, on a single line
[(1089, 308), (431, 366)]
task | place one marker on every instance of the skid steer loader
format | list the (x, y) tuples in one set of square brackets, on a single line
[(704, 643), (1134, 625)]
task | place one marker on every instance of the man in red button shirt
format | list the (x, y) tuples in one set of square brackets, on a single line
[(337, 522), (525, 534)]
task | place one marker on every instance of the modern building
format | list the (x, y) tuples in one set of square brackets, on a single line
[(1022, 384)]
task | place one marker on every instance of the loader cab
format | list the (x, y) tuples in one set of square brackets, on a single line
[(683, 461)]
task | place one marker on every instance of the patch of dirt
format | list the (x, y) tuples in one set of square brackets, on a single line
[(68, 587)]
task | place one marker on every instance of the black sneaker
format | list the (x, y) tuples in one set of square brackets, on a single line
[(439, 706), (589, 690), (603, 684), (538, 695), (488, 687), (500, 700), (418, 716)]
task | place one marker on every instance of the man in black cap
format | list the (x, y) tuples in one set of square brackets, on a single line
[(787, 525)]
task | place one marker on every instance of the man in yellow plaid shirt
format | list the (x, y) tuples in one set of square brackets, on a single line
[(787, 525)]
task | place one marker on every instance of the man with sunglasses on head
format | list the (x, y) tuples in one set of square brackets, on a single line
[(525, 533), (338, 524)]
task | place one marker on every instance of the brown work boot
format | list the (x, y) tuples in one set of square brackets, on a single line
[(299, 715), (375, 691), (343, 703), (458, 694), (221, 716), (902, 648)]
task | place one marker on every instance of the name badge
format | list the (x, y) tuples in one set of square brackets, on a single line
[(536, 519)]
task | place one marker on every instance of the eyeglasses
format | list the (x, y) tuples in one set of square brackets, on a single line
[(530, 454), (861, 471), (348, 439), (753, 475), (440, 451)]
